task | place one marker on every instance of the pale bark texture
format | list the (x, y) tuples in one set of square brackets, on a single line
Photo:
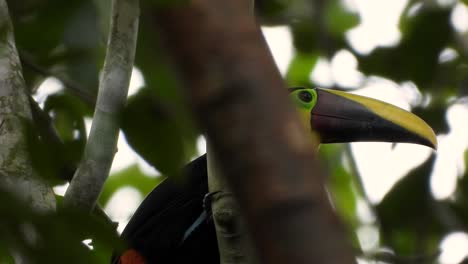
[(100, 149), (16, 171), (234, 242), (266, 155)]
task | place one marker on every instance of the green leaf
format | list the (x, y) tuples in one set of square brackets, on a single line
[(5, 256), (155, 133), (84, 47), (409, 223), (300, 68), (104, 15), (168, 103), (343, 187), (152, 59), (47, 160), (271, 12), (337, 19), (67, 116), (60, 37), (131, 176), (30, 25), (305, 36), (321, 29), (59, 234)]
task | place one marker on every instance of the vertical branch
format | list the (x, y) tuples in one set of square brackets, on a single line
[(356, 174), (263, 151), (16, 170), (234, 243), (93, 170)]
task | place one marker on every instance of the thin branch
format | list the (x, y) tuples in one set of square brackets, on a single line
[(50, 135), (73, 87), (234, 242), (355, 172), (264, 152), (44, 124), (93, 170)]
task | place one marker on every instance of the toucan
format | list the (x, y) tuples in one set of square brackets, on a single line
[(173, 223)]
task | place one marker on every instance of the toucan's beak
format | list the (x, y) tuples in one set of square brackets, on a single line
[(344, 117)]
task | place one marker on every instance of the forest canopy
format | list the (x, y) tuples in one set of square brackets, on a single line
[(64, 42)]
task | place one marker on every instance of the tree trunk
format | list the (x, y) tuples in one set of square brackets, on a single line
[(16, 171), (261, 148), (234, 242)]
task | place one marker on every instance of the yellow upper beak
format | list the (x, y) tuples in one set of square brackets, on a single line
[(344, 117)]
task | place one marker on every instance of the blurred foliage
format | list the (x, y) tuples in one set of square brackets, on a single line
[(343, 185), (300, 68), (416, 226), (53, 237), (128, 177), (410, 221), (416, 57), (175, 144), (59, 37), (66, 40)]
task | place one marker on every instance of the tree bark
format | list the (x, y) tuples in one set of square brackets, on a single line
[(100, 149), (17, 175), (266, 155), (234, 242)]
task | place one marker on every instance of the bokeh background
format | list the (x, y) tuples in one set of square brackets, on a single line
[(401, 203)]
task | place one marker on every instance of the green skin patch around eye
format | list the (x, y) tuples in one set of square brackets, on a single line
[(301, 104), (304, 108)]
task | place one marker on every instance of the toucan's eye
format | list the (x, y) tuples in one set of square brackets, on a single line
[(305, 96)]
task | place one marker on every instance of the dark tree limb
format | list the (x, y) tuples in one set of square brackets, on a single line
[(234, 242), (266, 155)]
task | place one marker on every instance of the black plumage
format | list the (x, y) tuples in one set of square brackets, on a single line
[(167, 214)]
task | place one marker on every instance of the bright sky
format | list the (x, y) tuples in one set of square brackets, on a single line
[(379, 164)]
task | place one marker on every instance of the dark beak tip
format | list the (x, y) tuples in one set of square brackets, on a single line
[(383, 122), (433, 145)]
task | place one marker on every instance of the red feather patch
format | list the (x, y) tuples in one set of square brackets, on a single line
[(131, 256)]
